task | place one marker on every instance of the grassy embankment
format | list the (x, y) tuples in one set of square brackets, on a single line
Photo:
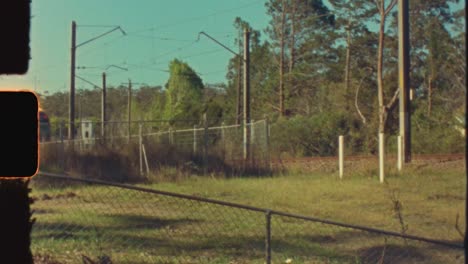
[(424, 200)]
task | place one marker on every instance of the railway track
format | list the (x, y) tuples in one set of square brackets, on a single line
[(419, 157)]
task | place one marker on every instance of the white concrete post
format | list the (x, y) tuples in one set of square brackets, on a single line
[(399, 155), (381, 157), (341, 155)]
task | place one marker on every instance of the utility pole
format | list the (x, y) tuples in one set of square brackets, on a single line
[(74, 46), (239, 85), (71, 117), (246, 95), (103, 107), (403, 72), (246, 119), (129, 109)]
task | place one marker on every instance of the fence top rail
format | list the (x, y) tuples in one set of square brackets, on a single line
[(221, 127), (134, 121), (253, 208)]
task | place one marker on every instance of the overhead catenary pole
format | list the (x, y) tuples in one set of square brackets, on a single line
[(129, 109), (103, 107), (74, 46), (71, 114), (404, 80), (239, 83), (246, 94)]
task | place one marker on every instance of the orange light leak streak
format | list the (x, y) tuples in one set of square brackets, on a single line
[(19, 90)]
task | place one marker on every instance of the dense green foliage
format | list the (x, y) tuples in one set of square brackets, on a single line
[(184, 92), (314, 75)]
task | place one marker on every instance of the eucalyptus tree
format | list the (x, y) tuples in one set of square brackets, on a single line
[(298, 32), (184, 94)]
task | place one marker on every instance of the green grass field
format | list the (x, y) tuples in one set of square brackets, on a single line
[(76, 220)]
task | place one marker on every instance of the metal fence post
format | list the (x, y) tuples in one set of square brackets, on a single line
[(140, 126), (253, 146), (252, 133), (129, 139), (62, 147), (267, 142), (194, 139), (341, 155), (268, 237), (222, 133), (223, 140), (146, 159), (171, 139), (205, 142), (60, 131)]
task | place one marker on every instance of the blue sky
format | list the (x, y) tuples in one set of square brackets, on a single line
[(157, 32)]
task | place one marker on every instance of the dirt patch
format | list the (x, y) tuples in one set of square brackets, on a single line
[(392, 254), (446, 197), (44, 259), (46, 197)]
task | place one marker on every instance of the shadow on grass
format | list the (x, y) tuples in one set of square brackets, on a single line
[(183, 237), (352, 245), (109, 224), (173, 238), (392, 254)]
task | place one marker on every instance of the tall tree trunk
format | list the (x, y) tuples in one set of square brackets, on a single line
[(281, 61), (348, 56), (382, 110), (292, 44), (429, 95)]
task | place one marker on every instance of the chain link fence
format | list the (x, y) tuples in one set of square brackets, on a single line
[(149, 144), (89, 221)]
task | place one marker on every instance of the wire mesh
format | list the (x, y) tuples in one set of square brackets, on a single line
[(128, 226), (79, 221), (220, 145), (303, 241)]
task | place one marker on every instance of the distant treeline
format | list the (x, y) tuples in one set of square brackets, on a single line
[(317, 73)]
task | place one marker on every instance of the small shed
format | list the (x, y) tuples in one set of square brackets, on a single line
[(87, 131)]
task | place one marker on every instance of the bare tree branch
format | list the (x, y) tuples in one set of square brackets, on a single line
[(457, 227), (356, 101), (377, 4), (390, 7), (273, 106), (392, 102)]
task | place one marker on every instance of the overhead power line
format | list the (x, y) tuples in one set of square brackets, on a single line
[(100, 26), (159, 38), (252, 3)]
